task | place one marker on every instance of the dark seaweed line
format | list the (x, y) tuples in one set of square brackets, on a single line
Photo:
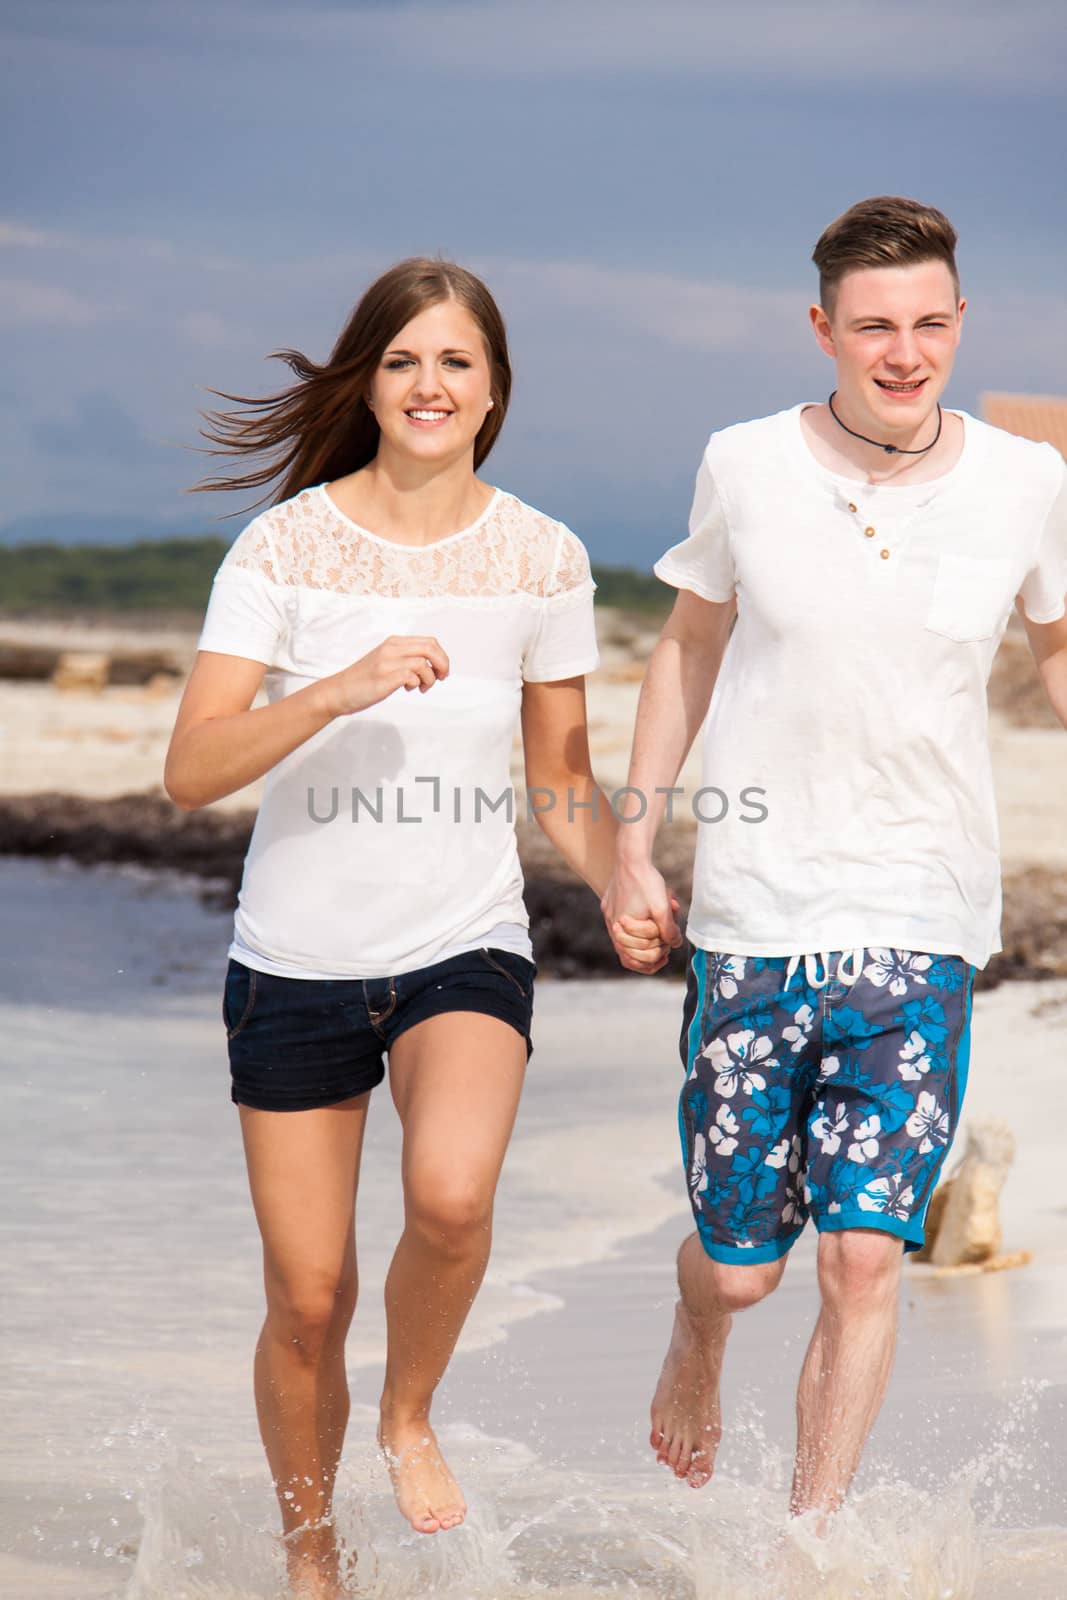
[(147, 830)]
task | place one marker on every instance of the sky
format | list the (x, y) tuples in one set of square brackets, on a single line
[(191, 184)]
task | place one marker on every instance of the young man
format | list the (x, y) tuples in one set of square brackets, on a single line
[(870, 549)]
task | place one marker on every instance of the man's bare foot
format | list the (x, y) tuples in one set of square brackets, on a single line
[(426, 1492), (686, 1417)]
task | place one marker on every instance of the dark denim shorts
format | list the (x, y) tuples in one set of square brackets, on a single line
[(298, 1043)]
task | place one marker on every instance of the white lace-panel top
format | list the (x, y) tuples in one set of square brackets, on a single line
[(386, 842)]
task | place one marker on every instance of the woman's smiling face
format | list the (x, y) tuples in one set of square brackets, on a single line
[(433, 386)]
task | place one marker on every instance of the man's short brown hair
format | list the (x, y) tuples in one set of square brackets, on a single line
[(886, 231)]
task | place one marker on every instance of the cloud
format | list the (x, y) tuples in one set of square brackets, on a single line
[(13, 235), (976, 44), (621, 372), (98, 429), (207, 328), (697, 313), (1014, 341), (24, 301), (979, 43)]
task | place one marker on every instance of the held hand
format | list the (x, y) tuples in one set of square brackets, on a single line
[(639, 912), (400, 662), (638, 944)]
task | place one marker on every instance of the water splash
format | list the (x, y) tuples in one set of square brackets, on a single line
[(892, 1543), (165, 1526)]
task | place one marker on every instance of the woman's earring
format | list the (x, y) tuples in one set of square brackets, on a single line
[(489, 407)]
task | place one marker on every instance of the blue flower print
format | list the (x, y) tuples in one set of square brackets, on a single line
[(768, 1108), (947, 974), (760, 1017), (749, 1207), (748, 1163), (895, 1106), (848, 1024), (846, 1178), (697, 1101), (924, 1016), (846, 1072)]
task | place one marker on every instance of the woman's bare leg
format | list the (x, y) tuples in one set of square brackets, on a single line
[(456, 1081), (303, 1167)]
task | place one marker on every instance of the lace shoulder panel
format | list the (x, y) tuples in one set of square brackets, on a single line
[(255, 547), (572, 570), (511, 548)]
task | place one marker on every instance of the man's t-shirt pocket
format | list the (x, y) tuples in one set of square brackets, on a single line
[(971, 597)]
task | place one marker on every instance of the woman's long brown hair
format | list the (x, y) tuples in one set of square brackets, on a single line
[(321, 427)]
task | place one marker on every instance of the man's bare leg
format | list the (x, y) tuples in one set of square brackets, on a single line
[(456, 1080), (686, 1414), (847, 1367)]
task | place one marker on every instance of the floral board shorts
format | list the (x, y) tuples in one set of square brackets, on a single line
[(824, 1085)]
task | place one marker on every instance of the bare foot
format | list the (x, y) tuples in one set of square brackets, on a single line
[(307, 1583), (426, 1492), (686, 1417), (312, 1561)]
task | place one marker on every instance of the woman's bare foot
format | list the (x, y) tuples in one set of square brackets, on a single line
[(426, 1492), (686, 1417), (313, 1565)]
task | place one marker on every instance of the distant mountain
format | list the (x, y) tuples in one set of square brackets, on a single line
[(64, 527)]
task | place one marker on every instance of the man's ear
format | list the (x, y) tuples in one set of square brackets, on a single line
[(823, 332)]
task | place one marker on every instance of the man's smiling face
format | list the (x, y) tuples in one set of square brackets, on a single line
[(893, 334)]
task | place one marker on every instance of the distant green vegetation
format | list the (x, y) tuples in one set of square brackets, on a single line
[(631, 590), (175, 575), (158, 574)]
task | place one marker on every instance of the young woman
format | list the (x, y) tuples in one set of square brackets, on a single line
[(399, 613)]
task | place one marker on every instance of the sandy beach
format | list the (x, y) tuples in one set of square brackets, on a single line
[(113, 741)]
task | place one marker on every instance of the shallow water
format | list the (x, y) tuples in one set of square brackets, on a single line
[(167, 1527), (130, 1466)]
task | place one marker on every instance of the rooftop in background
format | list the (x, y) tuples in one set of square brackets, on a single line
[(1033, 416)]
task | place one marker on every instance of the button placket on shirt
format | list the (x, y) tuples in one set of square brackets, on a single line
[(869, 530), (889, 545)]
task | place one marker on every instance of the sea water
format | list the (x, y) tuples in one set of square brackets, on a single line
[(130, 1464)]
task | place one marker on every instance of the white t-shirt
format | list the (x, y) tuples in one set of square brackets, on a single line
[(383, 843), (853, 687)]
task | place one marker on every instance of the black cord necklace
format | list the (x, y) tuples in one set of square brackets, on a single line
[(890, 449)]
